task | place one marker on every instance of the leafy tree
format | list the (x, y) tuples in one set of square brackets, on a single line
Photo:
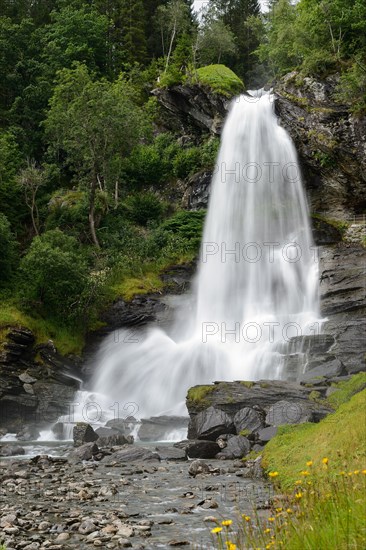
[(53, 275), (173, 20), (8, 247), (30, 180), (95, 123), (215, 42), (11, 203), (75, 35)]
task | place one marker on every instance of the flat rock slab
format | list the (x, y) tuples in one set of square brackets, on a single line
[(131, 453)]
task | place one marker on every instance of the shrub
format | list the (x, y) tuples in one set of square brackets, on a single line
[(187, 225), (187, 162), (142, 208), (53, 276), (8, 247)]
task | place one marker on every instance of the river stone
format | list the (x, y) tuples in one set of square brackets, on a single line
[(124, 425), (27, 378), (202, 449), (84, 452), (211, 423), (249, 420), (171, 453), (83, 433), (237, 447), (11, 450), (156, 428), (129, 453), (109, 437), (198, 467)]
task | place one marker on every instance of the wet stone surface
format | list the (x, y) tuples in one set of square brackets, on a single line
[(54, 504)]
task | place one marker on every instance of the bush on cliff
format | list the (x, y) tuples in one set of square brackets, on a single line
[(220, 79), (53, 276), (8, 247)]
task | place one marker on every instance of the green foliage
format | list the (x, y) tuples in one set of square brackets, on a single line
[(143, 208), (187, 225), (197, 395), (352, 87), (53, 276), (186, 162), (220, 79), (8, 247)]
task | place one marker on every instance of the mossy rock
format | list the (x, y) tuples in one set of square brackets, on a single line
[(197, 394), (220, 79)]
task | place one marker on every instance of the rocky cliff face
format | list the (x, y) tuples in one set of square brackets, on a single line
[(34, 392), (330, 141)]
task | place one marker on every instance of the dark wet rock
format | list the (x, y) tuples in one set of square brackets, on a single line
[(157, 428), (171, 453), (286, 412), (209, 424), (324, 232), (123, 425), (109, 437), (192, 108), (327, 366), (11, 450), (237, 447), (249, 420), (84, 452), (202, 449), (130, 453), (330, 143), (266, 434), (199, 467), (28, 433), (198, 190), (83, 433)]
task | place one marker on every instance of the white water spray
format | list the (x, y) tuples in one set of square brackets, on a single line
[(257, 282)]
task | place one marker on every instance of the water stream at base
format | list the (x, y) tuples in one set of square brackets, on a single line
[(256, 286)]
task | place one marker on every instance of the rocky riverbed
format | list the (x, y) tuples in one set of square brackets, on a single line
[(153, 502)]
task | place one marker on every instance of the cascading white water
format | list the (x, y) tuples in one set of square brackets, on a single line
[(256, 286), (257, 277)]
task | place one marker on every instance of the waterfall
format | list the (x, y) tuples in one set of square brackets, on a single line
[(257, 281)]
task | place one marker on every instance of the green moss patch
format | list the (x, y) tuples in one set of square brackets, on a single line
[(220, 79)]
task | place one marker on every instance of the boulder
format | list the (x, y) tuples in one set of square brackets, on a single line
[(210, 424), (11, 450), (266, 434), (286, 412), (123, 425), (158, 428), (237, 447), (83, 433), (327, 366), (109, 437), (171, 453), (131, 453), (84, 452), (198, 467), (202, 449), (248, 420)]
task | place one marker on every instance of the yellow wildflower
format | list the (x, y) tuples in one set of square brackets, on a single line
[(226, 522), (273, 474), (289, 511), (266, 531), (298, 495), (216, 530), (364, 472), (325, 461), (271, 519), (356, 472), (231, 545), (279, 509), (309, 463), (247, 518), (305, 473)]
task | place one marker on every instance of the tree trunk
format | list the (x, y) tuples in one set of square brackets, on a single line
[(171, 46), (92, 212)]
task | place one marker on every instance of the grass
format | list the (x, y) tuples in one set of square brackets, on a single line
[(220, 79), (345, 390), (340, 225), (319, 473), (67, 340), (197, 394), (129, 287)]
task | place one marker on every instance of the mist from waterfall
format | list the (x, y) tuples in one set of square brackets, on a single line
[(256, 285)]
